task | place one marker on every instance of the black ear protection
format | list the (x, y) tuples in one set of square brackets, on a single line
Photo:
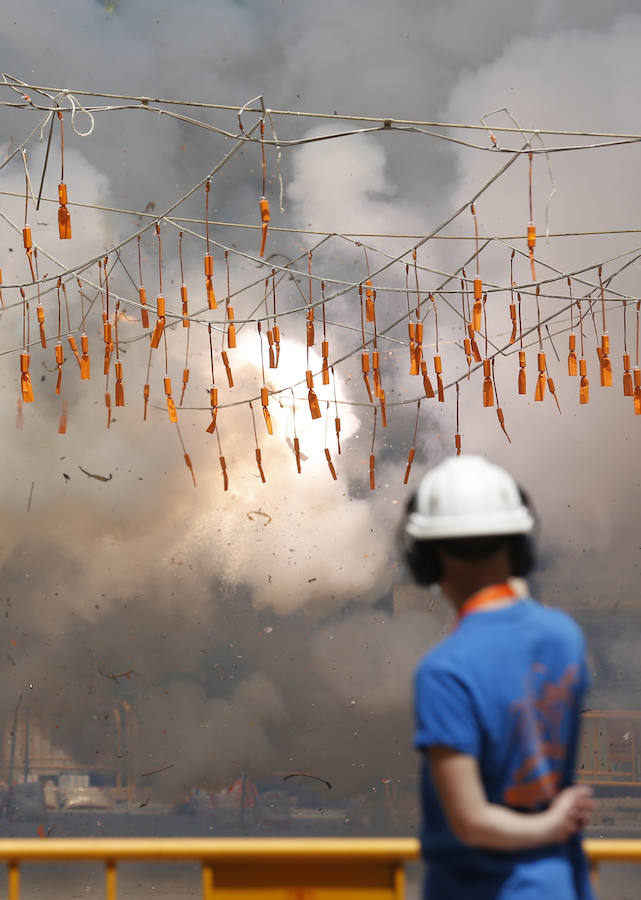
[(423, 561)]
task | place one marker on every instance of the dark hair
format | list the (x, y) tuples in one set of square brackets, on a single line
[(423, 560)]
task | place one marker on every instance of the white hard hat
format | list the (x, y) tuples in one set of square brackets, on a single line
[(467, 496)]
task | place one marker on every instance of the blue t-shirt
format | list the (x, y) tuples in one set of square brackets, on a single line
[(505, 687)]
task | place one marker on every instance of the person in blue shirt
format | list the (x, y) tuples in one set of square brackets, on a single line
[(496, 702)]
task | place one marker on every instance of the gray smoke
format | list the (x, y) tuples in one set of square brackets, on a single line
[(249, 621)]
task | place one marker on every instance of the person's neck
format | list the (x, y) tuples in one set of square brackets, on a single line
[(471, 580)]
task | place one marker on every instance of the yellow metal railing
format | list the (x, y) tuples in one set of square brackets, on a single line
[(291, 868)]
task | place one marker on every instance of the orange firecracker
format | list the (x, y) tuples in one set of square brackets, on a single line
[(628, 387), (328, 457), (145, 397), (171, 406), (513, 320), (584, 385), (40, 313), (62, 423), (522, 374), (539, 392), (259, 463), (531, 229), (383, 409), (120, 390), (410, 460), (412, 450), (477, 309), (25, 378), (60, 358), (636, 372), (144, 315), (376, 369), (209, 285), (604, 359), (325, 355), (467, 344), (531, 243), (185, 383), (438, 368), (457, 436), (209, 259), (213, 402), (476, 353), (312, 399), (263, 203), (427, 384), (418, 345), (265, 219), (228, 372), (264, 400), (64, 219), (185, 305), (552, 390), (365, 370), (297, 454), (85, 364), (604, 350), (372, 472), (108, 405), (310, 327), (223, 469), (189, 465), (275, 330), (370, 297), (467, 349), (272, 355), (142, 293), (488, 391), (106, 332), (160, 322), (414, 369), (573, 368), (74, 347), (231, 328)]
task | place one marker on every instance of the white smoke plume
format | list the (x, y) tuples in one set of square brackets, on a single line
[(249, 618)]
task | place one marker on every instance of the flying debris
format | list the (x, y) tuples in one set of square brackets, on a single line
[(97, 477), (307, 775), (116, 676), (259, 512), (157, 771)]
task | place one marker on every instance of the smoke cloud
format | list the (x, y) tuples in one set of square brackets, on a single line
[(256, 624)]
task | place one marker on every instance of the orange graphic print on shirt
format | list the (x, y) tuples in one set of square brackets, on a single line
[(541, 734)]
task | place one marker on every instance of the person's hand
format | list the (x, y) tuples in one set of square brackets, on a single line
[(570, 811)]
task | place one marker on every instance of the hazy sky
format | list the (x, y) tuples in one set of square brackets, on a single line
[(254, 639)]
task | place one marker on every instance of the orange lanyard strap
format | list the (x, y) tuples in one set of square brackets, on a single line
[(486, 597)]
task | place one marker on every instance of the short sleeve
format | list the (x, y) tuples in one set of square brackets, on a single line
[(445, 712)]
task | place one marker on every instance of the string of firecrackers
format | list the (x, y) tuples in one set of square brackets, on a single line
[(376, 123), (415, 331), (159, 331)]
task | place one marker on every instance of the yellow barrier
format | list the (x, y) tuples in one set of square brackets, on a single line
[(265, 868), (233, 868)]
